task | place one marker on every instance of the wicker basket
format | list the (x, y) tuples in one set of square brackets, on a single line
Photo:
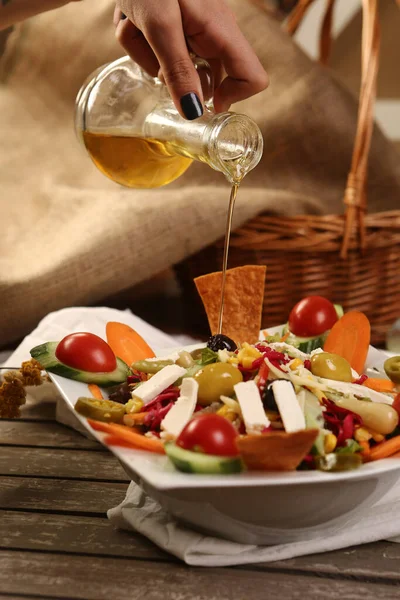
[(353, 259)]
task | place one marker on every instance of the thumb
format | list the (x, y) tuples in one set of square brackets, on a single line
[(169, 45)]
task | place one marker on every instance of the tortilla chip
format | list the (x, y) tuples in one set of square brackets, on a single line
[(243, 303), (276, 451)]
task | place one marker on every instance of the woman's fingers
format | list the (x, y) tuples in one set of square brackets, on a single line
[(158, 36), (164, 38), (135, 44), (221, 38), (245, 75), (167, 39)]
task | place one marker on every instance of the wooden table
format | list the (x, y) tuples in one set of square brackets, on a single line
[(56, 541)]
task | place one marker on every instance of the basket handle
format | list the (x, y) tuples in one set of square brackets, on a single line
[(355, 198)]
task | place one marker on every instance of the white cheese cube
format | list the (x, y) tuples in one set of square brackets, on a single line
[(288, 405), (180, 414), (148, 390), (252, 408)]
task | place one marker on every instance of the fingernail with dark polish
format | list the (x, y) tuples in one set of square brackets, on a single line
[(123, 16), (191, 106)]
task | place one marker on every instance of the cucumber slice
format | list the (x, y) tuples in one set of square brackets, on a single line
[(305, 344), (196, 462), (45, 354), (339, 310)]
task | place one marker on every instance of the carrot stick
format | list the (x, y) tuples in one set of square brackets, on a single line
[(350, 338), (137, 440), (385, 449), (113, 440), (95, 391), (379, 385), (126, 343), (285, 337), (366, 450), (135, 419)]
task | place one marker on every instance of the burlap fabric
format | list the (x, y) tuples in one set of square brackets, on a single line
[(69, 236)]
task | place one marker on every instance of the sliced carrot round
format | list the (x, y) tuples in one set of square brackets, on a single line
[(350, 338), (126, 343)]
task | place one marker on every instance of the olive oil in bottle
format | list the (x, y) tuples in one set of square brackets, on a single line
[(133, 161)]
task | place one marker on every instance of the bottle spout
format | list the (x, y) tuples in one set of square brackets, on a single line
[(235, 145)]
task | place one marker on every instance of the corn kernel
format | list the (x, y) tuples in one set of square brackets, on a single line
[(251, 351), (247, 361), (222, 411), (295, 363), (362, 435), (134, 406), (233, 360), (226, 412), (330, 442)]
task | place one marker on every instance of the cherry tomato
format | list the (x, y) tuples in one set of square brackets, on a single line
[(211, 434), (312, 316), (86, 352)]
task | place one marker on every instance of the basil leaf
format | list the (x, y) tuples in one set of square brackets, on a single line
[(208, 356)]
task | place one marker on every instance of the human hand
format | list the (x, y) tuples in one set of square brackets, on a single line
[(159, 34)]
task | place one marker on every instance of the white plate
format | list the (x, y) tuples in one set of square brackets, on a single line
[(251, 507)]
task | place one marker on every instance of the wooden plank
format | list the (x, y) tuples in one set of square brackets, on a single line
[(98, 578), (42, 435), (32, 494), (72, 534), (368, 562), (85, 535), (77, 464)]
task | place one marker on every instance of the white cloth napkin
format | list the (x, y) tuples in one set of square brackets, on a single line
[(138, 512)]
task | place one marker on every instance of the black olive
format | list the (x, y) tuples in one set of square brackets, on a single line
[(221, 342), (121, 393), (268, 396)]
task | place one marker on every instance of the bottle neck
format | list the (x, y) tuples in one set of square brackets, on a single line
[(227, 142)]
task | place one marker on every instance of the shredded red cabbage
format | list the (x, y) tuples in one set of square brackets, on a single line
[(267, 429), (156, 415), (307, 364), (308, 462), (361, 379), (340, 421), (133, 379), (272, 354), (171, 393)]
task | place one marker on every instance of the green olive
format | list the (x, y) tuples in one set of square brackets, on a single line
[(216, 380), (185, 359), (392, 368), (331, 366)]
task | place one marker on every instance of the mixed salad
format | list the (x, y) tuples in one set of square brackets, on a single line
[(293, 400)]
